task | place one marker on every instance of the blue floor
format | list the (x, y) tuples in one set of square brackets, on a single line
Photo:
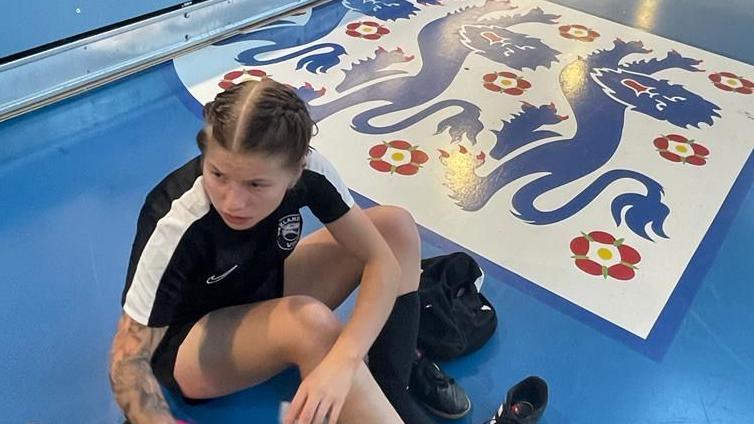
[(73, 176)]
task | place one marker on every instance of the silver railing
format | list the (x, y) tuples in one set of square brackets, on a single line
[(51, 75)]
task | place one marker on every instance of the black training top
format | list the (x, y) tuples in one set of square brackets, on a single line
[(186, 262)]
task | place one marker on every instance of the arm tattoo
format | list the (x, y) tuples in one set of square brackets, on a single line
[(135, 388)]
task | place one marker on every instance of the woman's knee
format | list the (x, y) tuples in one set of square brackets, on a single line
[(398, 227), (314, 326)]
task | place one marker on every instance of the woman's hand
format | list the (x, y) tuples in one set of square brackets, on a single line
[(322, 393)]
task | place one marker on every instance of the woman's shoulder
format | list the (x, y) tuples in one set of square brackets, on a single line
[(327, 195), (182, 183), (319, 170), (317, 162)]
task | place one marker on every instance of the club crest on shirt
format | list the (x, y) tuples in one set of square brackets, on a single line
[(289, 231)]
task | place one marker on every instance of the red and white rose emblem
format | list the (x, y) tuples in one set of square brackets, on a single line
[(728, 81), (677, 148), (236, 77), (578, 32), (506, 82), (367, 30), (397, 156), (599, 253)]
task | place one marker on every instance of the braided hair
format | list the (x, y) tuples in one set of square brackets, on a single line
[(259, 117)]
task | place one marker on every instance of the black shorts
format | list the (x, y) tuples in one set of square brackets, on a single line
[(164, 356), (163, 359)]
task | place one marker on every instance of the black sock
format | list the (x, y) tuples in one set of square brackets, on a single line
[(392, 355)]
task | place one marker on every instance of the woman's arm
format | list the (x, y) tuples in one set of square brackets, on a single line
[(324, 390), (378, 288), (134, 385)]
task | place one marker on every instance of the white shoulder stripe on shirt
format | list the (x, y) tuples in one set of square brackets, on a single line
[(184, 211), (316, 162)]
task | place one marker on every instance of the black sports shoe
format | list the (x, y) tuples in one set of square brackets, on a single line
[(439, 393), (525, 403)]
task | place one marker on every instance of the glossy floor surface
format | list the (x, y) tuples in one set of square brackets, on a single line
[(666, 341)]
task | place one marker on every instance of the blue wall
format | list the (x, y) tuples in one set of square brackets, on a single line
[(29, 24)]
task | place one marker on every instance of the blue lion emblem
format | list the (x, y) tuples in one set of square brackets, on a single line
[(322, 21), (444, 44), (518, 51), (599, 98), (387, 10), (656, 98)]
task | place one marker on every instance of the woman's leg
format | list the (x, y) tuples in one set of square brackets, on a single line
[(322, 268), (237, 347)]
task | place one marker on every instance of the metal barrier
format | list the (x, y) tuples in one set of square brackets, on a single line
[(46, 77)]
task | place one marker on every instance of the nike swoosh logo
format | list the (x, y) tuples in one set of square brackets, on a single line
[(214, 279)]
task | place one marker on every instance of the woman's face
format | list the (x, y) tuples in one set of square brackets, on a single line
[(244, 188)]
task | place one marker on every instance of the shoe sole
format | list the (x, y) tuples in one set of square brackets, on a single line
[(447, 416)]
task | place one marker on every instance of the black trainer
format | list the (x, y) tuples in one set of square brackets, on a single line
[(439, 393), (525, 403)]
